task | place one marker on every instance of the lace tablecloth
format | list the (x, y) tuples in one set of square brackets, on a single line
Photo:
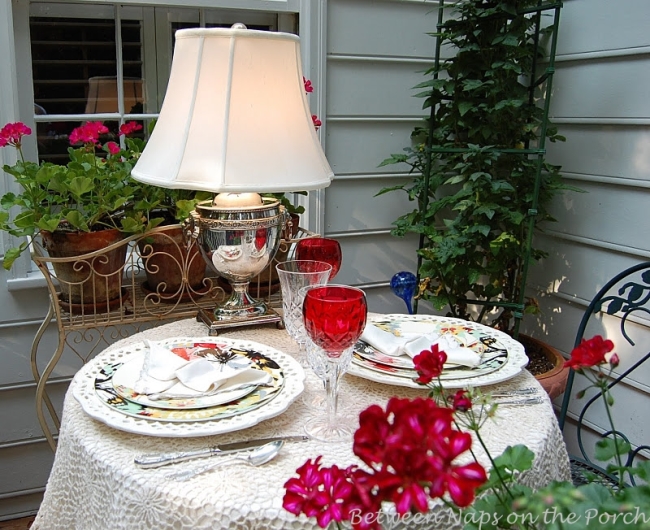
[(94, 483)]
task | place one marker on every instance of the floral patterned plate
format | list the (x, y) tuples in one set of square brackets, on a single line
[(261, 395), (125, 377), (486, 373), (464, 334)]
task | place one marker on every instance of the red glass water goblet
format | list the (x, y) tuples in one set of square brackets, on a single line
[(321, 249), (335, 316)]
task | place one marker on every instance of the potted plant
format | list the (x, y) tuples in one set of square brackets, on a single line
[(481, 183), (74, 208), (173, 265)]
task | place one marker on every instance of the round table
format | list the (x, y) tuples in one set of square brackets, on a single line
[(94, 483)]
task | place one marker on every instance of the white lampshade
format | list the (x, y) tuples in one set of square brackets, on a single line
[(235, 117)]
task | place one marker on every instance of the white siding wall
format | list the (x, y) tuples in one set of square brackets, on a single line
[(376, 50), (600, 103)]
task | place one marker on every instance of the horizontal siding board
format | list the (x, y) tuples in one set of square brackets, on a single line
[(618, 94), (351, 205), (359, 147), (575, 269), (373, 88), (19, 473), (365, 27), (375, 258), (603, 150), (599, 25), (604, 213), (19, 422)]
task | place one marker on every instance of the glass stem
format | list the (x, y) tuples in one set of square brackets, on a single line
[(331, 387)]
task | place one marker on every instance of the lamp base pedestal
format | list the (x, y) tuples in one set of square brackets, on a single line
[(215, 325)]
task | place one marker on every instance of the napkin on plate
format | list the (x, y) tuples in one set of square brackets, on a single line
[(413, 343), (166, 375)]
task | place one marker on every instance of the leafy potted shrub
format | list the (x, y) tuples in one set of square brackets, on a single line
[(480, 181), (76, 208)]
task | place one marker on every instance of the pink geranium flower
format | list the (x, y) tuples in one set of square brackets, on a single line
[(12, 133), (88, 133)]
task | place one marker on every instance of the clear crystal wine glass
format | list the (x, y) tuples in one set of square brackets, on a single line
[(294, 276), (334, 317)]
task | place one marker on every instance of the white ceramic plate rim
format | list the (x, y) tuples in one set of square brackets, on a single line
[(83, 389)]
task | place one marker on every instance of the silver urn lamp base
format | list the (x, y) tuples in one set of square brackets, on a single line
[(238, 242)]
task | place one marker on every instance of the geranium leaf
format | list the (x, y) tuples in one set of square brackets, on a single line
[(76, 219), (608, 448), (80, 185)]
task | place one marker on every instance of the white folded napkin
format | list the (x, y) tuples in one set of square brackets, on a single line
[(416, 341), (166, 375)]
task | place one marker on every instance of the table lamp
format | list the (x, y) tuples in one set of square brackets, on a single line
[(102, 95), (235, 121)]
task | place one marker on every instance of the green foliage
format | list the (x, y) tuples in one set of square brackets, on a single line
[(93, 191), (475, 165), (284, 201)]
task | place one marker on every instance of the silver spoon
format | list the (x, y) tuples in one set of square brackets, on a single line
[(257, 457)]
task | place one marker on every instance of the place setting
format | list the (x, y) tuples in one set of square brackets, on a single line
[(189, 386), (476, 355)]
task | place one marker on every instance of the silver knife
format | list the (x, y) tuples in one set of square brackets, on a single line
[(150, 461)]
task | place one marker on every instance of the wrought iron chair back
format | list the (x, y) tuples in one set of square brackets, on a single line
[(625, 297)]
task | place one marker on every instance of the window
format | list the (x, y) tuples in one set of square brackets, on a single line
[(108, 63), (104, 62)]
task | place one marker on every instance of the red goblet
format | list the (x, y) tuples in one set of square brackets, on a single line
[(335, 316), (320, 249)]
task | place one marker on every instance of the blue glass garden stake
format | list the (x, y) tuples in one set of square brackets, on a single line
[(403, 284)]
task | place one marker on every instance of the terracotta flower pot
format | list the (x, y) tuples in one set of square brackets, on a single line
[(92, 284), (554, 381), (166, 258)]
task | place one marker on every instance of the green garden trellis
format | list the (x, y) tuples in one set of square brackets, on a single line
[(537, 152)]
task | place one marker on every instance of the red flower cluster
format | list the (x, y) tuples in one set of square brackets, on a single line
[(129, 127), (410, 449), (429, 364), (88, 133), (591, 353), (12, 133), (308, 86), (323, 493)]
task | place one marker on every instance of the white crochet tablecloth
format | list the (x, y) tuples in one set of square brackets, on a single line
[(94, 483)]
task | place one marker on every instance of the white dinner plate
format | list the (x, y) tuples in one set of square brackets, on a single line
[(105, 405), (516, 355)]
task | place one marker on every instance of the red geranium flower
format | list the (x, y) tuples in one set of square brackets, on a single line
[(321, 492), (317, 122), (12, 133), (130, 127), (411, 447), (112, 148), (308, 86), (461, 401), (88, 133), (590, 353), (429, 364)]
